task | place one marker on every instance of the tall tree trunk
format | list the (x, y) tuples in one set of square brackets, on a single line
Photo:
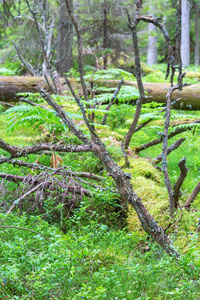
[(105, 32), (65, 40), (185, 33), (152, 52), (196, 33)]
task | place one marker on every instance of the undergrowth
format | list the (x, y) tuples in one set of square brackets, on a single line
[(97, 252)]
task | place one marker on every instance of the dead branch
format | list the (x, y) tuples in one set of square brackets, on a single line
[(173, 224), (159, 140), (16, 202), (173, 147), (24, 151), (58, 171), (6, 104), (112, 101), (61, 113), (133, 27), (16, 227), (180, 180), (27, 65), (22, 99), (193, 195), (44, 51)]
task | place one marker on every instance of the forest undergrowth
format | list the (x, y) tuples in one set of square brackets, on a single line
[(99, 251)]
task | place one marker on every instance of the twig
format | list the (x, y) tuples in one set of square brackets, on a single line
[(193, 195), (173, 147), (112, 101), (16, 227), (58, 171), (27, 65), (173, 224), (6, 104)]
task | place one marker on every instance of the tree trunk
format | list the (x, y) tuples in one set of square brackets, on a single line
[(185, 33), (105, 33), (152, 54), (196, 33), (10, 85), (65, 40)]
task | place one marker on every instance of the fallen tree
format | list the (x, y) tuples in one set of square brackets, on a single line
[(11, 85)]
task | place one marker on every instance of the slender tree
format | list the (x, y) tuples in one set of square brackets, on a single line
[(196, 33), (185, 33), (152, 52)]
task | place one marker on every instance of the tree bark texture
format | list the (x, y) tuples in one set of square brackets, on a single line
[(10, 85), (65, 40), (185, 33)]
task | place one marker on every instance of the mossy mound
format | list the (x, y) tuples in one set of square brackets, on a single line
[(148, 184)]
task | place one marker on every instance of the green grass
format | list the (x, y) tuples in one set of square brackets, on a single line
[(92, 262)]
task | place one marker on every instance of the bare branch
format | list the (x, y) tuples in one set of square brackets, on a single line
[(27, 65), (71, 189), (164, 151), (193, 195), (180, 180), (24, 151), (112, 101), (173, 147), (16, 202), (159, 140), (63, 170)]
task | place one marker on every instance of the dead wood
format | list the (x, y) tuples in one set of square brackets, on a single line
[(11, 85)]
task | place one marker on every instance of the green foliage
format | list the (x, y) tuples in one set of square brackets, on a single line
[(89, 262), (34, 116), (6, 72)]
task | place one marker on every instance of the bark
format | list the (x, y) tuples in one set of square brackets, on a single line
[(65, 40), (10, 85), (152, 52), (193, 195), (181, 178), (196, 33), (185, 33), (17, 152), (140, 101)]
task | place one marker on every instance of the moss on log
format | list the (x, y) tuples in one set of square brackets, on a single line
[(11, 85), (190, 96)]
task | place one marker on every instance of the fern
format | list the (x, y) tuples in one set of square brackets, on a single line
[(6, 72), (187, 126), (113, 74), (32, 116)]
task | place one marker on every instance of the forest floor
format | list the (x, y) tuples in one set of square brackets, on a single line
[(95, 253)]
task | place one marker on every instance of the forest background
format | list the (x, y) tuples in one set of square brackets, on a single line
[(93, 254)]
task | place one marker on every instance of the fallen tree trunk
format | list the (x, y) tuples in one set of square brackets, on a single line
[(190, 95), (11, 85)]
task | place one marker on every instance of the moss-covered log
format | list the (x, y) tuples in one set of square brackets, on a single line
[(190, 96), (11, 85)]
